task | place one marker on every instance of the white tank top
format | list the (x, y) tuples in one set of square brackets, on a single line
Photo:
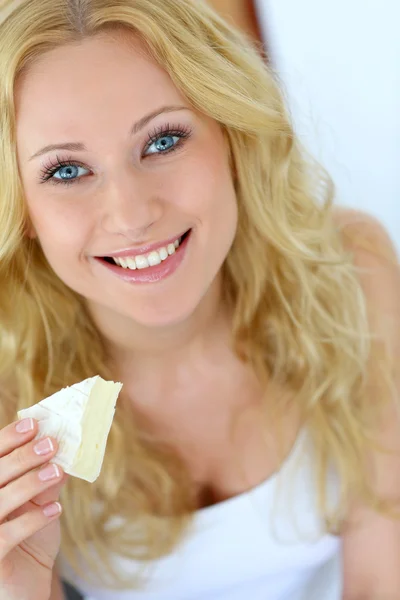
[(265, 544)]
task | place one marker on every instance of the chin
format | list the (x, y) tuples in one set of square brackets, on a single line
[(166, 316)]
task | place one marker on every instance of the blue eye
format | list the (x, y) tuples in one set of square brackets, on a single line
[(163, 139), (164, 144), (68, 172), (64, 172)]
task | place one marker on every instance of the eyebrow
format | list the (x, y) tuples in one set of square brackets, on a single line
[(136, 127)]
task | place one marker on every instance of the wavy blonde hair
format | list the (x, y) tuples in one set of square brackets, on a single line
[(300, 316)]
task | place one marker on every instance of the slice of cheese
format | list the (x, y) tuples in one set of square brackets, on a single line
[(80, 418)]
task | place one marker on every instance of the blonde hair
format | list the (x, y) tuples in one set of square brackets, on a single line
[(300, 316)]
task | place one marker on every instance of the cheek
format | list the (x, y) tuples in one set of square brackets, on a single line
[(206, 187), (215, 208), (61, 230), (217, 192)]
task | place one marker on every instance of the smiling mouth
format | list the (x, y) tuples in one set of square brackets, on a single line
[(149, 260)]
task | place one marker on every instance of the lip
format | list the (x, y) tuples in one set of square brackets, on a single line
[(151, 274), (139, 250)]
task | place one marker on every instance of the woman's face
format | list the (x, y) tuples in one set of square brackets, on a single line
[(106, 167)]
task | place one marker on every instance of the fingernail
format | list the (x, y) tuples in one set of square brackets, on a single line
[(43, 447), (25, 425), (49, 472), (52, 509)]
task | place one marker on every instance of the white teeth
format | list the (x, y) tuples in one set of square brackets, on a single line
[(153, 258), (150, 260), (163, 253), (141, 262)]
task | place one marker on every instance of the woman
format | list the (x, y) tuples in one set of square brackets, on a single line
[(161, 226)]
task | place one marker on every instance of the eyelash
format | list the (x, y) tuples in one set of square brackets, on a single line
[(182, 131)]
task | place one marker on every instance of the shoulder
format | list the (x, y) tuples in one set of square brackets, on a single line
[(365, 234), (378, 267), (378, 270), (370, 537)]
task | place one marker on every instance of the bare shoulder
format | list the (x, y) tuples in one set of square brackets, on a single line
[(366, 233), (371, 541), (377, 261)]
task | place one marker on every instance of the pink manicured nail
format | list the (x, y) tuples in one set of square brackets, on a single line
[(25, 425), (43, 447), (49, 472), (52, 509)]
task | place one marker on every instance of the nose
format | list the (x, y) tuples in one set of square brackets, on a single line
[(130, 207)]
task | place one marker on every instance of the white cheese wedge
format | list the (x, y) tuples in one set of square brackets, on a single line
[(80, 418)]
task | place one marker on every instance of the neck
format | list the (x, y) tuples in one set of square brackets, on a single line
[(133, 344)]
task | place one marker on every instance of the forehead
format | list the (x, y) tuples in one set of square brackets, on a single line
[(103, 77)]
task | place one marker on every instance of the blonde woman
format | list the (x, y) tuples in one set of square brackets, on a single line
[(161, 225)]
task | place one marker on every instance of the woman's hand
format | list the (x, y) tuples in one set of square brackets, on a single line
[(29, 525)]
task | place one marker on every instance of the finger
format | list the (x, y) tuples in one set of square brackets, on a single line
[(20, 491), (52, 494), (11, 438), (14, 532), (25, 458)]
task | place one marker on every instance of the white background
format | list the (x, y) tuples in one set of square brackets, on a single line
[(339, 63)]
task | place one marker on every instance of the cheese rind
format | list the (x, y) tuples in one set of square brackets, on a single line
[(80, 418)]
